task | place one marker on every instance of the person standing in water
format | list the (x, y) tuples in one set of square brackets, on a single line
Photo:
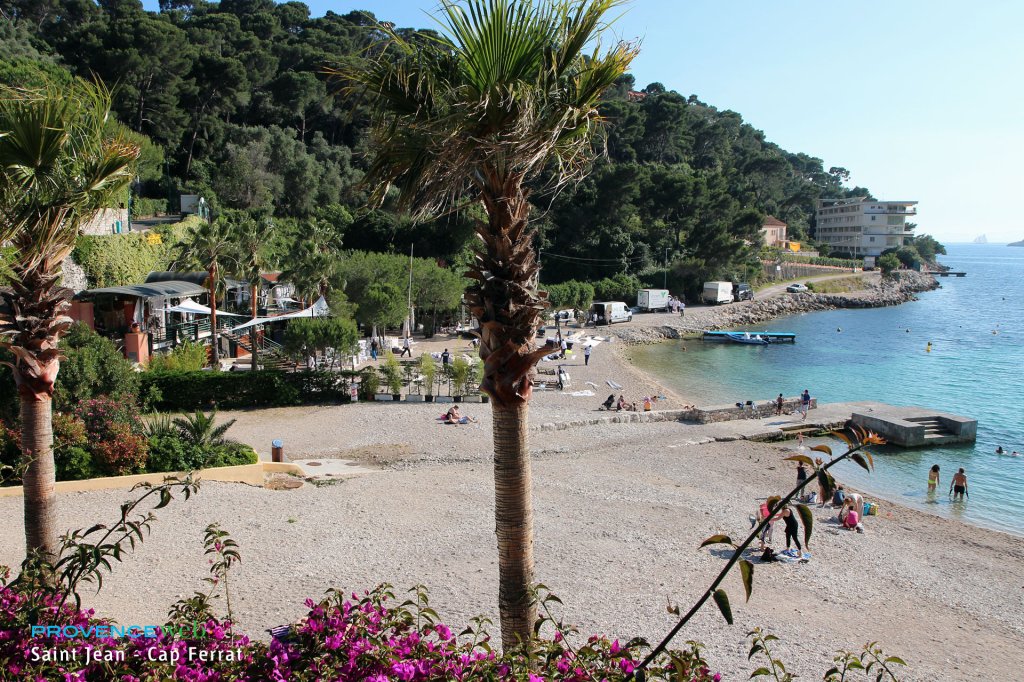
[(933, 478), (958, 486)]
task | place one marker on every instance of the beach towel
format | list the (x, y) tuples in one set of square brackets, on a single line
[(583, 394), (612, 384)]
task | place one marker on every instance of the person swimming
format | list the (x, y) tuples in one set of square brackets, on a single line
[(999, 450)]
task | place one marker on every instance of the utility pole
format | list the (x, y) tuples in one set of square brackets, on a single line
[(665, 282), (410, 320)]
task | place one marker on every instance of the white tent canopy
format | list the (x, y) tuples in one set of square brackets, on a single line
[(187, 305), (318, 309)]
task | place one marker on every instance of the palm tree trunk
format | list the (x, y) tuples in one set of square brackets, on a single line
[(40, 477), (505, 300), (213, 316), (513, 520)]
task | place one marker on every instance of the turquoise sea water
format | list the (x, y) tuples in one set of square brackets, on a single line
[(880, 355)]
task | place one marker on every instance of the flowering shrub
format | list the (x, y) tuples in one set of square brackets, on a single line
[(101, 414), (356, 639), (121, 452)]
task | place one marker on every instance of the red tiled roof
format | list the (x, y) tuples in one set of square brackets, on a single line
[(772, 221)]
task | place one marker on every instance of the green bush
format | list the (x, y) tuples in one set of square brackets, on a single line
[(621, 287), (369, 383), (114, 260), (189, 391), (171, 453), (392, 373), (92, 367), (188, 356), (460, 376), (232, 454), (73, 464), (428, 368), (144, 207)]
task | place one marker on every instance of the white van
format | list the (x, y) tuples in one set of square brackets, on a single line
[(610, 312), (717, 292), (650, 300)]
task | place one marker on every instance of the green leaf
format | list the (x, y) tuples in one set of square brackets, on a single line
[(762, 671), (808, 520), (895, 659), (717, 540), (856, 457), (165, 499), (800, 458), (747, 573), (722, 600), (822, 448), (754, 650)]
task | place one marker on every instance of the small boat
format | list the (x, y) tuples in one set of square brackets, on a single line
[(748, 338)]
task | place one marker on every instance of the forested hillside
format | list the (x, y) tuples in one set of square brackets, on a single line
[(238, 109)]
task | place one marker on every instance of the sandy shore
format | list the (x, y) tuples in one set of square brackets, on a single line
[(620, 511)]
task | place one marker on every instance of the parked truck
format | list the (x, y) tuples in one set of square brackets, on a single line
[(717, 292), (610, 312), (650, 300)]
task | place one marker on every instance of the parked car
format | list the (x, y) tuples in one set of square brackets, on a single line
[(742, 292), (797, 288)]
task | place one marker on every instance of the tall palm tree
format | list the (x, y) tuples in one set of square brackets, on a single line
[(58, 168), (311, 271), (250, 236), (509, 88), (209, 246)]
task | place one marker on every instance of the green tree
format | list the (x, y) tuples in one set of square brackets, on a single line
[(502, 91), (92, 366), (315, 336), (58, 167), (209, 246), (888, 263)]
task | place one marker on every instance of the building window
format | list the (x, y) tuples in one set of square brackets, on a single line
[(872, 239), (872, 218)]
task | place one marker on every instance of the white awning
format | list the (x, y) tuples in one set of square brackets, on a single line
[(318, 309), (187, 305)]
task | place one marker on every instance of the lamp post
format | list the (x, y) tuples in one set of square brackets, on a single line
[(665, 282)]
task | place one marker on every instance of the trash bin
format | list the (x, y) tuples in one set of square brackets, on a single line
[(277, 451)]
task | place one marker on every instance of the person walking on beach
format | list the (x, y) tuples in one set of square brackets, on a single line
[(564, 346), (586, 354), (933, 478), (958, 486), (805, 403), (374, 347), (779, 402), (791, 528), (445, 358), (406, 347)]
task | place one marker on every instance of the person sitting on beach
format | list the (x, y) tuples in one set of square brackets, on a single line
[(849, 516), (647, 404), (622, 404), (607, 404), (454, 417), (839, 497)]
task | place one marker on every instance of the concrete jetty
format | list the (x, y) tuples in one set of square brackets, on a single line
[(914, 426)]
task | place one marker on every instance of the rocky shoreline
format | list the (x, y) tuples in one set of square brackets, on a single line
[(903, 287)]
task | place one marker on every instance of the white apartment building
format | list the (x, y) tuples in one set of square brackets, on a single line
[(862, 227)]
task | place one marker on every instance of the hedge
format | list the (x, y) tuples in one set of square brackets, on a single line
[(187, 391)]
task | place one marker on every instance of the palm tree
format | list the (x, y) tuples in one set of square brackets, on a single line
[(58, 168), (209, 246), (251, 235), (200, 429), (311, 271), (504, 92)]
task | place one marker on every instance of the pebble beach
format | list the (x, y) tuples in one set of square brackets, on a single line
[(620, 511)]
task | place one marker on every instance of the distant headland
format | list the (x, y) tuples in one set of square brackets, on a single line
[(1020, 243)]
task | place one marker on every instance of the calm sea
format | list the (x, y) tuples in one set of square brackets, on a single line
[(975, 368)]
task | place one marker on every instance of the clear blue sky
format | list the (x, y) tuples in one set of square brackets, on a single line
[(918, 99)]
